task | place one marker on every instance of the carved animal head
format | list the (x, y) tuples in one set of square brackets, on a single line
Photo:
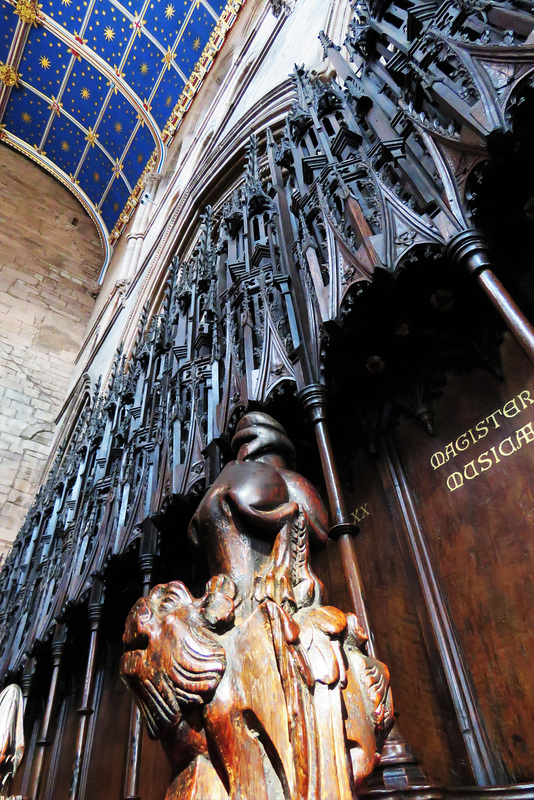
[(257, 433), (172, 662)]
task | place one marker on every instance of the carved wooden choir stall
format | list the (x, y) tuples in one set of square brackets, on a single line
[(357, 294)]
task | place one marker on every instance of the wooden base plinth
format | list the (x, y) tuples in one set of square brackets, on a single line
[(519, 791)]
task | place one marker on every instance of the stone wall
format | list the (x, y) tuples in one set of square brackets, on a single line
[(50, 258)]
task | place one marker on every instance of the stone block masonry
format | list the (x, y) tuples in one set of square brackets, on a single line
[(50, 258)]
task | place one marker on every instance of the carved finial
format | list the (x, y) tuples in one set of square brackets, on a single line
[(270, 138), (279, 7), (327, 44), (257, 200), (205, 255), (302, 83)]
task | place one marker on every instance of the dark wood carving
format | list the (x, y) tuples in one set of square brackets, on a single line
[(379, 179), (256, 689)]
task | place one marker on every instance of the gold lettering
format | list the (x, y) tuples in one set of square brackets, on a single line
[(512, 403), (360, 513), (487, 461), (528, 397), (512, 445), (457, 481), (450, 449), (435, 460), (475, 473), (492, 416), (462, 439), (478, 429), (524, 434)]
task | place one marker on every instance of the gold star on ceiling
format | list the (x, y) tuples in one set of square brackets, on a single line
[(55, 106), (28, 11), (8, 75), (91, 137), (44, 62), (66, 2), (169, 11), (65, 146), (85, 93), (96, 177), (168, 101), (144, 68), (137, 24), (196, 43), (140, 158), (26, 117), (118, 127), (109, 33), (168, 58)]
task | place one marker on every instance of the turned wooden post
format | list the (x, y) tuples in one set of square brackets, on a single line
[(470, 249), (313, 398), (86, 710), (58, 645), (26, 680)]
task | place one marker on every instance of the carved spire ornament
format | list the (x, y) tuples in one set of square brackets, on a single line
[(256, 689)]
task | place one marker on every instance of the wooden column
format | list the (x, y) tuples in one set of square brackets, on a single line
[(471, 250), (313, 399), (95, 614), (135, 733), (58, 645), (27, 679)]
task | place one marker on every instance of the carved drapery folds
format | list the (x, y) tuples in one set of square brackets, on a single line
[(11, 735), (256, 689)]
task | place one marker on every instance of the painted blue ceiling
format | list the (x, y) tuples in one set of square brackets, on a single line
[(90, 88)]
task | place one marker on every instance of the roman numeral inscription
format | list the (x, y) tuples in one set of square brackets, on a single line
[(360, 513)]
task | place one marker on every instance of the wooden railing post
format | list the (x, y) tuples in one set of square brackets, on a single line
[(147, 561), (86, 709), (58, 645)]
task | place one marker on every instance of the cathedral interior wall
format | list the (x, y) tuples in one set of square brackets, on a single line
[(50, 257)]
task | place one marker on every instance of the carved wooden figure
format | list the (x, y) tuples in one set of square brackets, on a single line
[(256, 690), (11, 735)]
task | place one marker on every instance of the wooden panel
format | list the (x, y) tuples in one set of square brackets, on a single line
[(394, 620), (105, 775), (477, 510)]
